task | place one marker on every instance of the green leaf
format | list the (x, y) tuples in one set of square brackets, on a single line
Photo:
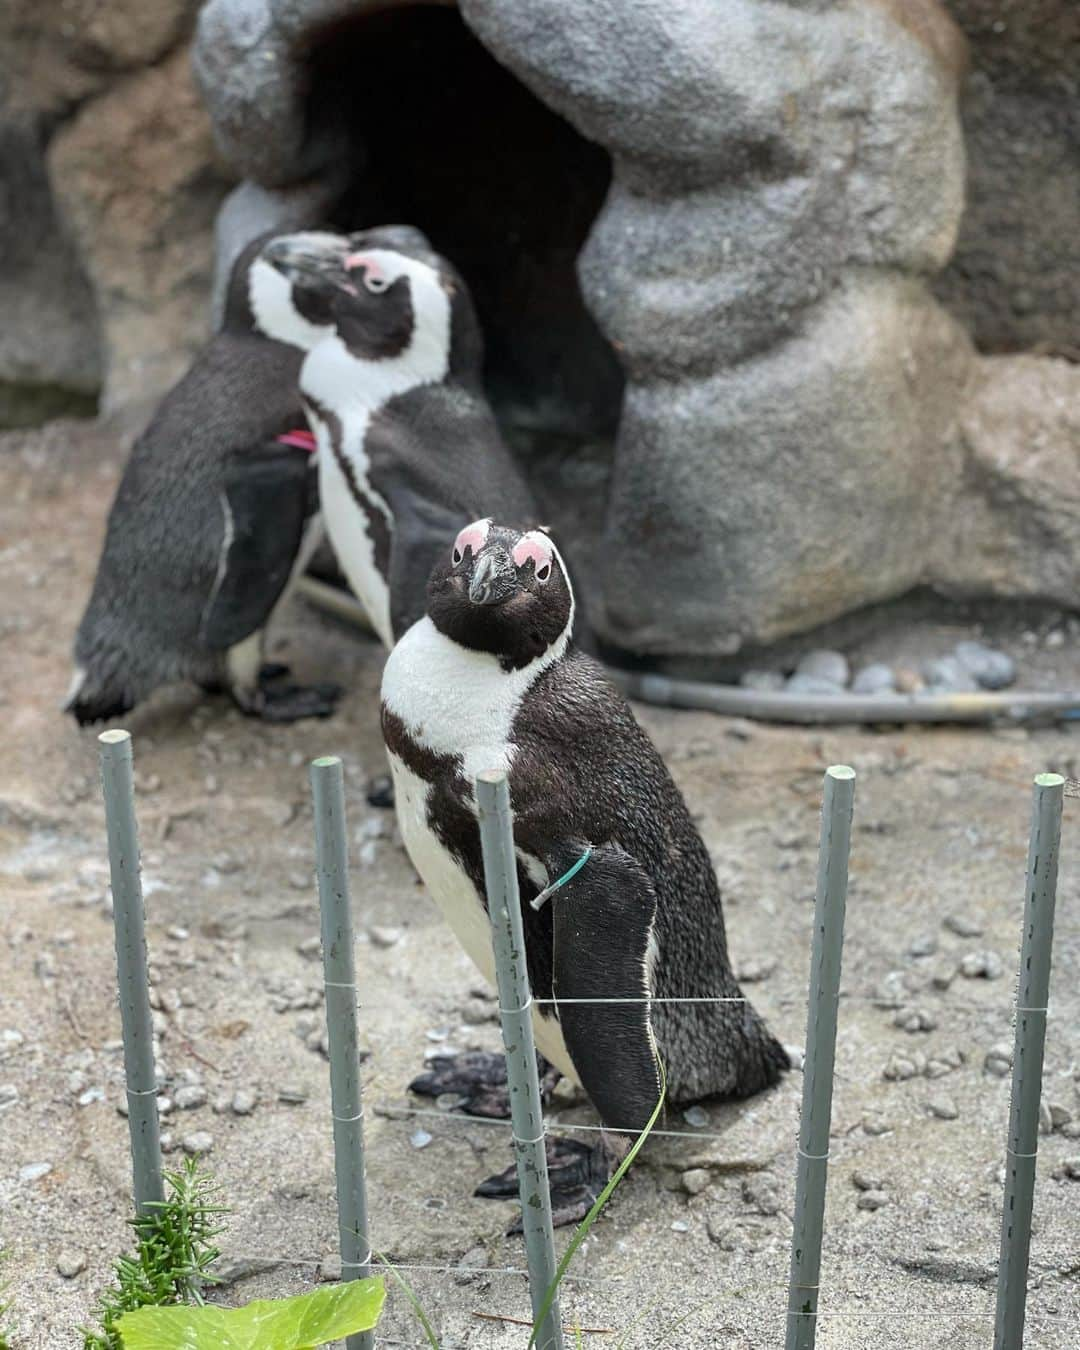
[(298, 1323)]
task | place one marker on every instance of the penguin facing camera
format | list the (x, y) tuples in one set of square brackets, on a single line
[(490, 679), (409, 451), (215, 511)]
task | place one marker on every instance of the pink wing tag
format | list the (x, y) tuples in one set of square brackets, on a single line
[(299, 440)]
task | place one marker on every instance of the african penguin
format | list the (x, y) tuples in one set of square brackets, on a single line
[(489, 679), (409, 451), (215, 511)]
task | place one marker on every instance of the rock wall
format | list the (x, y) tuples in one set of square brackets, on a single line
[(110, 188), (784, 265), (1014, 280)]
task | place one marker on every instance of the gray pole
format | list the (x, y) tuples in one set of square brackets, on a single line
[(339, 973), (515, 1008), (1032, 993), (825, 959), (128, 926)]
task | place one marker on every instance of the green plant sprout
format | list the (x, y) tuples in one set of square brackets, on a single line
[(5, 1308), (298, 1323), (173, 1254), (582, 1230)]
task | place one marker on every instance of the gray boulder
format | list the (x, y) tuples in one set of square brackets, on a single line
[(786, 177)]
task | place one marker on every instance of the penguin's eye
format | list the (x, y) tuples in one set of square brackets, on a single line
[(543, 571), (375, 283), (456, 556)]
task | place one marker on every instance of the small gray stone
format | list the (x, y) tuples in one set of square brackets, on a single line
[(9, 1095), (1046, 1121), (901, 1068), (384, 937), (999, 1060), (963, 926), (796, 1057), (874, 679), (992, 669), (169, 1142), (812, 684), (762, 681), (292, 1094), (34, 1171), (982, 966), (1071, 1130), (190, 1097), (867, 1181), (925, 944), (915, 1019), (330, 1268), (754, 970), (91, 1095), (420, 1139), (197, 1143), (872, 1200), (310, 948), (945, 674), (695, 1180), (877, 1125), (70, 1263), (944, 1108), (696, 1116), (680, 1226), (474, 1261), (1059, 1115), (832, 667), (243, 1102), (1071, 1168), (943, 975)]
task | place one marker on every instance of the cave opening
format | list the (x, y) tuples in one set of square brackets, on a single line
[(441, 136)]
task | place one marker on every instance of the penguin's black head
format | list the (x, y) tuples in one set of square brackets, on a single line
[(384, 292), (502, 591)]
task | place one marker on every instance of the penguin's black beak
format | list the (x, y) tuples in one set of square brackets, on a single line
[(494, 578), (302, 260)]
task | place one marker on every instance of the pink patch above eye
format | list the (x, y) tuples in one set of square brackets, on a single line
[(534, 546), (472, 536), (364, 260)]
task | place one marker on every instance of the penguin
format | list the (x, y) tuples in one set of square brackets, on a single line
[(490, 679), (215, 511), (409, 451)]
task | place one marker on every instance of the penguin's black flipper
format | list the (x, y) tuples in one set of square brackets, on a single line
[(423, 532), (264, 501), (603, 923)]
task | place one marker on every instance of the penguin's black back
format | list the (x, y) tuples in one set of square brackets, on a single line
[(165, 529), (584, 769)]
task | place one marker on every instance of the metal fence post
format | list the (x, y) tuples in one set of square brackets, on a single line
[(1032, 995), (825, 960), (129, 929), (515, 1009), (339, 974)]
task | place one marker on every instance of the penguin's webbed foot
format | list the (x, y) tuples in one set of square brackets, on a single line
[(479, 1078), (577, 1173), (277, 701), (380, 791)]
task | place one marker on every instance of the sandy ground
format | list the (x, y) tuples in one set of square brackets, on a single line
[(939, 846)]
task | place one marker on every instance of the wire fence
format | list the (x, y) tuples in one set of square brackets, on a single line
[(528, 1128)]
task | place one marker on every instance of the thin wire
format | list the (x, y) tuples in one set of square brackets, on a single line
[(388, 1112)]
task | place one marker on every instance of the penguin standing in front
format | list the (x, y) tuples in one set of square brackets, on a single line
[(215, 511), (490, 679), (409, 450)]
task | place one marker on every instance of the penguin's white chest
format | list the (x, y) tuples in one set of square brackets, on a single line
[(463, 706), (442, 874), (348, 525)]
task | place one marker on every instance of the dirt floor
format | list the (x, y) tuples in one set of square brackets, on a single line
[(919, 1118)]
